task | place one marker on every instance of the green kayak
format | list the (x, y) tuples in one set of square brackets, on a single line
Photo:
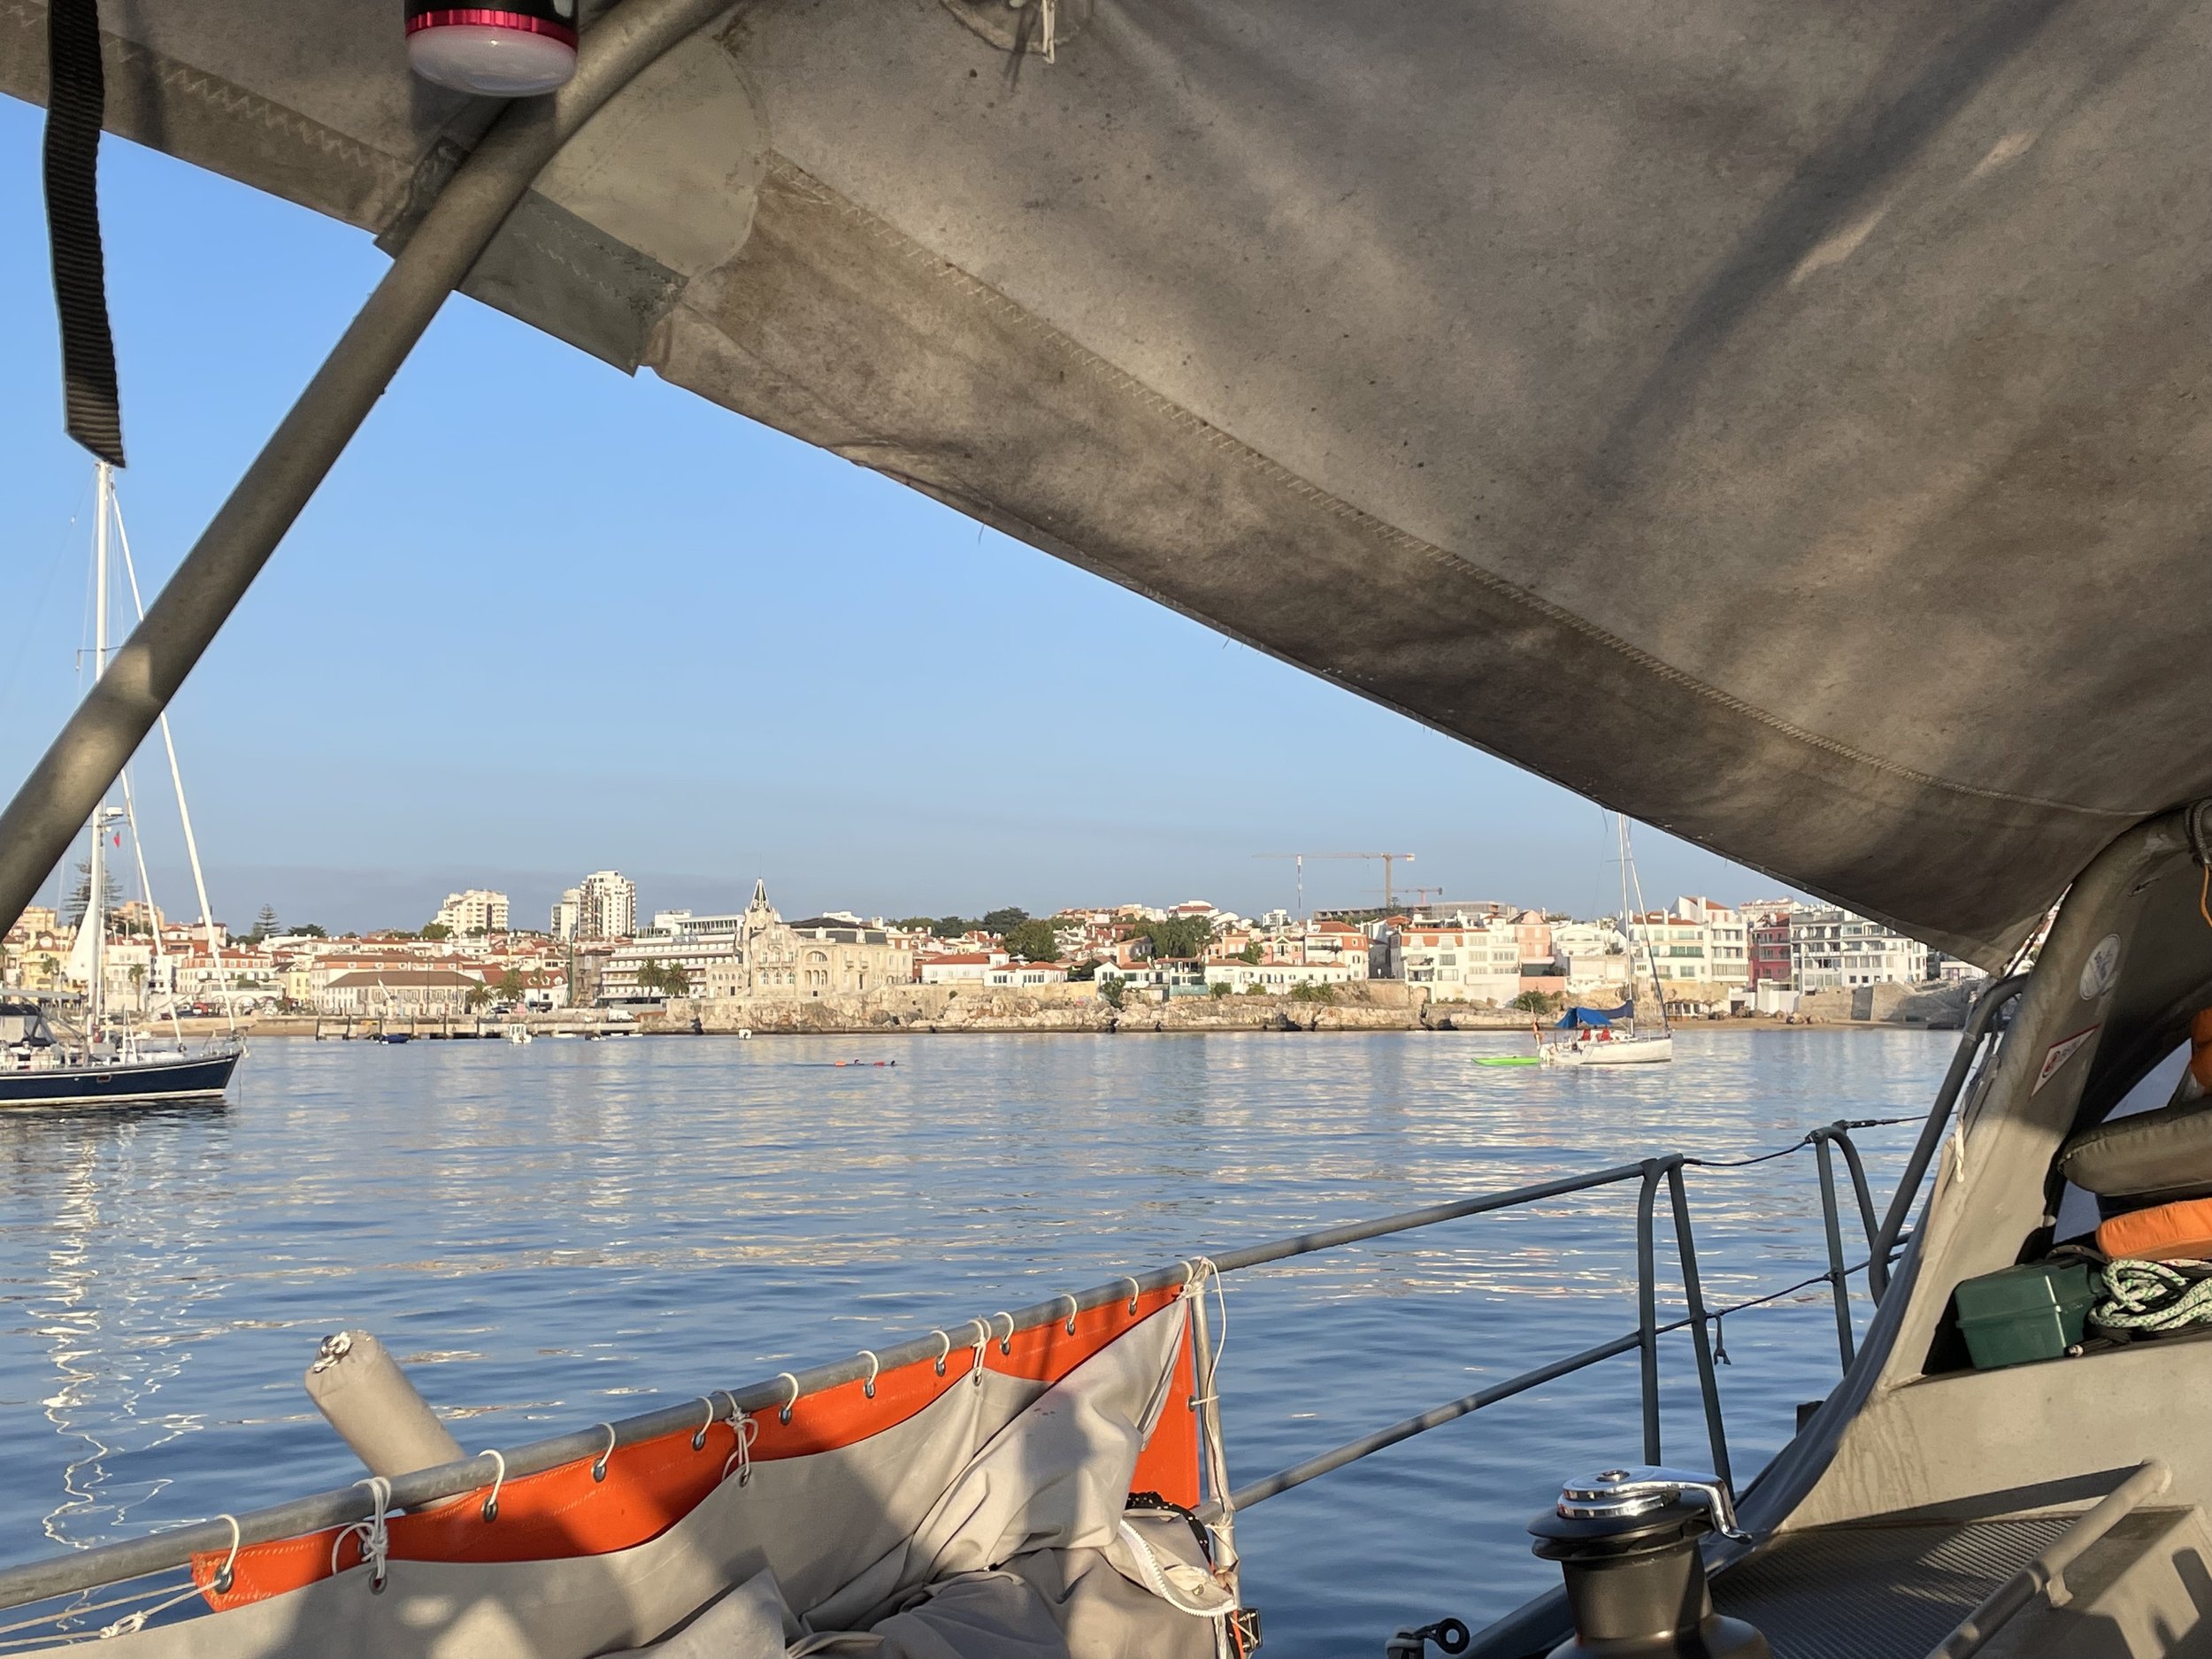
[(1509, 1059)]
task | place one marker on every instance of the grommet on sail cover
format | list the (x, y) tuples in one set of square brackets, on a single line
[(226, 1577), (1006, 1342), (875, 1370), (783, 1412), (1135, 1290), (1074, 1308), (499, 1479), (599, 1463), (945, 1353)]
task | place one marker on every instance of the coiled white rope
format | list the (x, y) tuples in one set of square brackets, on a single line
[(1156, 1579), (2140, 1296)]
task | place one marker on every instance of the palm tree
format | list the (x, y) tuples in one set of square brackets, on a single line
[(675, 981)]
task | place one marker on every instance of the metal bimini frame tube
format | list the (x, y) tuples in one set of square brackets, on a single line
[(115, 716), (115, 1563), (1978, 1024)]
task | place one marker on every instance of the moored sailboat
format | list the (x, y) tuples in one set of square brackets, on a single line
[(108, 1060), (1610, 1037)]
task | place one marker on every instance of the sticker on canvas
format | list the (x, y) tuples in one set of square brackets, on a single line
[(2064, 1049)]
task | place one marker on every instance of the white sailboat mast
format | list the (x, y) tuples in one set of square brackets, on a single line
[(96, 890), (184, 813), (1628, 876)]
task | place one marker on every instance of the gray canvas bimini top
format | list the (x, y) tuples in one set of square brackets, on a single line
[(1785, 423)]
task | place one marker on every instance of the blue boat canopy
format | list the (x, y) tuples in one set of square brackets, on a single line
[(1587, 1019)]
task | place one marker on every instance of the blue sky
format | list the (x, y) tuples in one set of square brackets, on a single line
[(545, 619)]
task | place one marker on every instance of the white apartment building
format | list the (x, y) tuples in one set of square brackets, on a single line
[(1458, 961), (1275, 979), (1697, 939), (704, 947), (478, 910), (1831, 950), (1323, 943), (604, 906), (1025, 976), (1590, 954), (960, 967)]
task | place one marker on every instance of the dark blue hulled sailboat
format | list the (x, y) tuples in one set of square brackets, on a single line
[(39, 1067), (108, 1062)]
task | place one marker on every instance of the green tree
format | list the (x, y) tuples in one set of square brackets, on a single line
[(1539, 1001), (1113, 990), (435, 930), (675, 980), (1032, 941), (81, 895), (510, 986), (1083, 970), (138, 977), (649, 977), (265, 926), (1003, 921), (1250, 953), (1307, 991), (1179, 936), (951, 927), (1218, 988), (477, 997), (312, 930)]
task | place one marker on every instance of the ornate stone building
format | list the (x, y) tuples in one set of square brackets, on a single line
[(823, 956)]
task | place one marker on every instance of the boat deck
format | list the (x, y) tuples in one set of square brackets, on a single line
[(1877, 1592)]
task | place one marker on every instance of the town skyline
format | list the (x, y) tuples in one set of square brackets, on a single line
[(348, 901)]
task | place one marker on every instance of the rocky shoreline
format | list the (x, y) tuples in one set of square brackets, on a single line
[(1375, 1005)]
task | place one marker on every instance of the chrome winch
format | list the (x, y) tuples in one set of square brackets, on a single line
[(1627, 1539)]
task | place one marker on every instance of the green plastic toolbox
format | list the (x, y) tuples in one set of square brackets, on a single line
[(2023, 1313)]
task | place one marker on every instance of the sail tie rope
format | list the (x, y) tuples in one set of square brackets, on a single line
[(2142, 1295), (741, 1459), (373, 1536), (136, 1620)]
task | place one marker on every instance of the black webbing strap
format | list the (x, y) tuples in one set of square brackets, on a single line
[(76, 101)]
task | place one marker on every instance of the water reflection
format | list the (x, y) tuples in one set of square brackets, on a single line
[(546, 1232)]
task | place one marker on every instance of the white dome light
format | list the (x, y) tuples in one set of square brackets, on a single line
[(499, 52)]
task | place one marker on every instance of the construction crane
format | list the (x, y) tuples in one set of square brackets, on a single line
[(1421, 896), (1299, 859)]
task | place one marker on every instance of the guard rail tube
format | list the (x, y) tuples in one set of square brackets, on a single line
[(116, 715), (1978, 1021)]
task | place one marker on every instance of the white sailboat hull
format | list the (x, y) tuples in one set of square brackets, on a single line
[(1614, 1051)]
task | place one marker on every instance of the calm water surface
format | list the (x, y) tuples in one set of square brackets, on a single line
[(555, 1235)]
